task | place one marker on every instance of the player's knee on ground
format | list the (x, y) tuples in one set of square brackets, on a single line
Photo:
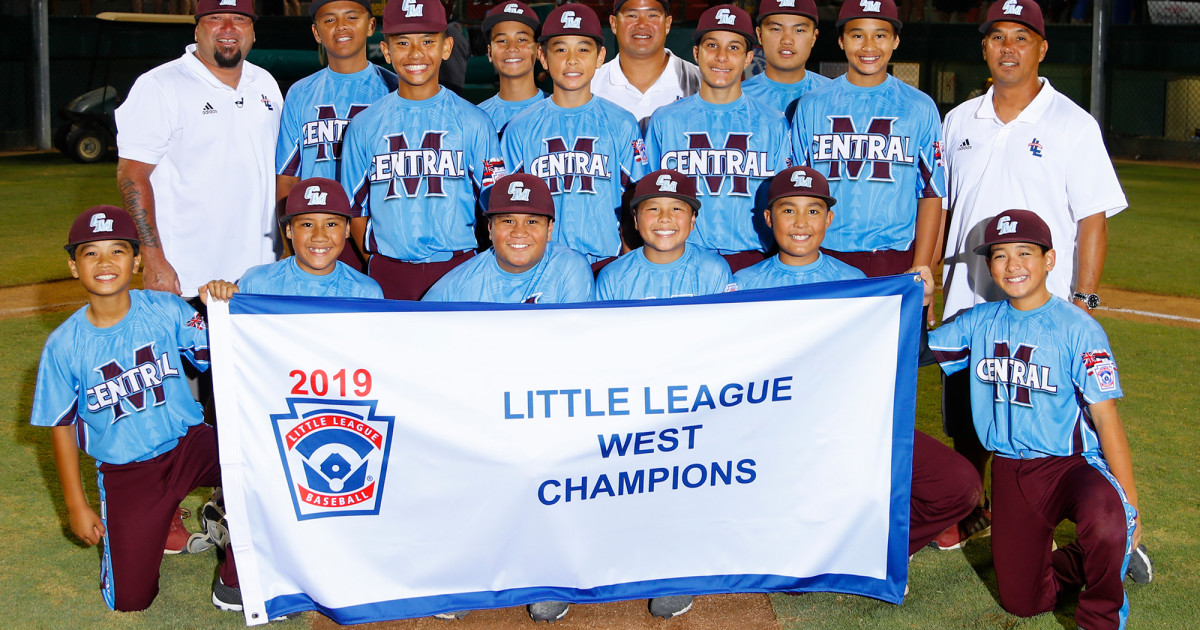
[(133, 600)]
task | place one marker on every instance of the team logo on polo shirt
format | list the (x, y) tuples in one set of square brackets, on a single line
[(560, 166), (1035, 148), (850, 149), (334, 454)]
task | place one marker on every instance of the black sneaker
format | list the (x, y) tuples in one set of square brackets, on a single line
[(548, 611), (1140, 567), (670, 606), (226, 597)]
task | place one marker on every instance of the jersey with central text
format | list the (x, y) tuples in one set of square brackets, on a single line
[(316, 112), (773, 272), (587, 155), (562, 276), (732, 151), (783, 96), (285, 277), (1033, 374), (123, 387), (633, 277), (415, 170), (880, 148), (502, 111)]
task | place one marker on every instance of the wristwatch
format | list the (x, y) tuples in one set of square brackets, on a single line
[(1091, 300)]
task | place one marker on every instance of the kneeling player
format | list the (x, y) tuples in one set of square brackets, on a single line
[(317, 221), (664, 213), (799, 210), (522, 264), (945, 487), (1043, 395)]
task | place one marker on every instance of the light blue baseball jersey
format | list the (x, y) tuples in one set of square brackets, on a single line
[(732, 151), (562, 276), (880, 148), (1033, 373), (415, 170), (633, 277), (285, 277), (316, 112), (123, 387), (774, 273), (587, 155), (502, 111), (783, 96)]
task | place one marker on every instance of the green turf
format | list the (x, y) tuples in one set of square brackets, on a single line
[(42, 193), (1154, 245)]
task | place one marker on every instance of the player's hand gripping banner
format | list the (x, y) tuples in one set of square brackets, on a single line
[(384, 460)]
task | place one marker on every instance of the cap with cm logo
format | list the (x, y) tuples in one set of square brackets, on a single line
[(572, 19), (874, 9), (725, 17), (1025, 12), (665, 183), (401, 17), (1015, 226), (520, 193), (316, 194), (799, 181), (512, 11), (101, 223)]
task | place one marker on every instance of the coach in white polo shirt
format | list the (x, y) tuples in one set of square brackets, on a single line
[(196, 140), (1022, 145), (644, 75)]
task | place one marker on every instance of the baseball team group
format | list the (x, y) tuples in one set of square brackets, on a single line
[(645, 177)]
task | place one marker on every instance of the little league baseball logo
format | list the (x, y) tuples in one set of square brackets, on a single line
[(334, 454)]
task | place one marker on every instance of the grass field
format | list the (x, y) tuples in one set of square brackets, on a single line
[(53, 580)]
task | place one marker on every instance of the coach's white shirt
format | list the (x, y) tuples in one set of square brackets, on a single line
[(214, 147), (1050, 159), (679, 79)]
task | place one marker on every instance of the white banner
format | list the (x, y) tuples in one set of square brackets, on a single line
[(384, 460)]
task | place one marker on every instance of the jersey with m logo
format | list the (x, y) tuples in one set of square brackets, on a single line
[(732, 151), (880, 149), (316, 113), (587, 155)]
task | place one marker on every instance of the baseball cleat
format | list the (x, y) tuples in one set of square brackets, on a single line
[(670, 606)]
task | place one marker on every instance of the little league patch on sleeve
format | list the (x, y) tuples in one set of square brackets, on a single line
[(1101, 367)]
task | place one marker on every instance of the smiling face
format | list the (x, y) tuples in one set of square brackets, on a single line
[(1012, 52), (869, 44), (787, 40), (416, 58), (1020, 270), (799, 224), (519, 239), (722, 57), (664, 224), (641, 29), (223, 39), (512, 49), (572, 61), (343, 29), (104, 267), (318, 239)]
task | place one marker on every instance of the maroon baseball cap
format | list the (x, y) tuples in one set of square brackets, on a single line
[(512, 11), (725, 17), (520, 193), (617, 4), (799, 181), (572, 19), (1025, 12), (317, 4), (1015, 226), (805, 8), (101, 223), (874, 9), (317, 194), (665, 183), (401, 17), (243, 7)]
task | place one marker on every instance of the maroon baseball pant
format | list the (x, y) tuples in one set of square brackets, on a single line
[(1031, 497), (945, 488), (409, 281), (137, 502)]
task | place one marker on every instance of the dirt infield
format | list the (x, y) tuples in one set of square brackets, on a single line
[(65, 295)]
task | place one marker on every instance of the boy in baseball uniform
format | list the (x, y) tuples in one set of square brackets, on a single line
[(511, 32)]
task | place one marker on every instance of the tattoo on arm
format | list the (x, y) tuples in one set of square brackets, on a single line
[(132, 197)]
